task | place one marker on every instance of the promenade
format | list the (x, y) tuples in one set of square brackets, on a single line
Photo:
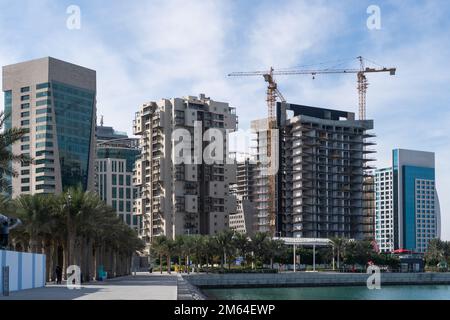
[(143, 286)]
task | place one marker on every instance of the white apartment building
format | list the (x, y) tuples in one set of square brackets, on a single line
[(178, 192), (384, 211)]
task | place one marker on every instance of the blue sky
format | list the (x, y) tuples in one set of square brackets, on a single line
[(147, 50)]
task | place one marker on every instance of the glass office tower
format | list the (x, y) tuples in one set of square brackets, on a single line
[(56, 101), (407, 204)]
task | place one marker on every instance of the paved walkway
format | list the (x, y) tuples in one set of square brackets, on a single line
[(143, 286)]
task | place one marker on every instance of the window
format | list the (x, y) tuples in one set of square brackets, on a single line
[(44, 119), (45, 161), (25, 172), (114, 179), (40, 170), (25, 106), (25, 180), (25, 139), (121, 179), (128, 206), (44, 128), (45, 186), (25, 189), (45, 178), (25, 122), (42, 111), (44, 153), (40, 136), (43, 94), (25, 97), (128, 178), (25, 163), (24, 89), (44, 144), (25, 147), (42, 86), (128, 193), (114, 204), (121, 193), (114, 192), (25, 114), (43, 102), (121, 206)]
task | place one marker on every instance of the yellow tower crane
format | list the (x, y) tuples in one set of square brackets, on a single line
[(273, 92)]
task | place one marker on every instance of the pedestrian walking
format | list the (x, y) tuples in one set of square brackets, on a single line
[(58, 272)]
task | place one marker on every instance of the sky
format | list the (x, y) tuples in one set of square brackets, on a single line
[(147, 50)]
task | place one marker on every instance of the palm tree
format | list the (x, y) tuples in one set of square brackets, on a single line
[(34, 211), (210, 249), (435, 252), (169, 250), (7, 138), (242, 245), (178, 250), (258, 245), (159, 248), (77, 225), (274, 249), (338, 248), (187, 249), (224, 240)]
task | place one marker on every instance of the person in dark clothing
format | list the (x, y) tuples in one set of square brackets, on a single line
[(58, 272)]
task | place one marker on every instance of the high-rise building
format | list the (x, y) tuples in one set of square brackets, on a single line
[(245, 179), (243, 220), (407, 204), (264, 195), (116, 156), (179, 192), (56, 101), (384, 210), (320, 184)]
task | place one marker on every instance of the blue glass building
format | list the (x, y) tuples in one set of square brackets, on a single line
[(407, 204)]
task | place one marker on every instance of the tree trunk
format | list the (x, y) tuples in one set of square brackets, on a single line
[(66, 259), (169, 268), (48, 259), (338, 259)]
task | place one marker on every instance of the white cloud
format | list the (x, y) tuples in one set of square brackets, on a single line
[(283, 32)]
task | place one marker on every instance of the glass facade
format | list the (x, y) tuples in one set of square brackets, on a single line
[(74, 117), (119, 153), (413, 210), (8, 125)]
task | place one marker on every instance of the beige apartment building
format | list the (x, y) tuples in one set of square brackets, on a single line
[(178, 191)]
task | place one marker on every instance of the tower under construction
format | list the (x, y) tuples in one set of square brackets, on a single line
[(319, 189)]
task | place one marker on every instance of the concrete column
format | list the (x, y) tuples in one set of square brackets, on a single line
[(295, 269), (314, 257)]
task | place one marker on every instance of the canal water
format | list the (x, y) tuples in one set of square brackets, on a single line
[(412, 292)]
